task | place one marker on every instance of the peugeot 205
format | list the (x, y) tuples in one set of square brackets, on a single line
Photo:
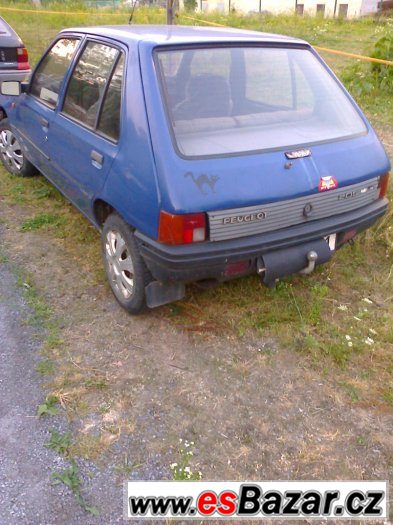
[(200, 154)]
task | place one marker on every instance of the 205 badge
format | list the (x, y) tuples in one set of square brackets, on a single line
[(327, 183)]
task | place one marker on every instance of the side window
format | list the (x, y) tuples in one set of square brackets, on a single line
[(109, 120), (88, 81), (49, 76)]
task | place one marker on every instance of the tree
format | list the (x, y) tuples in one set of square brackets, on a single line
[(190, 5)]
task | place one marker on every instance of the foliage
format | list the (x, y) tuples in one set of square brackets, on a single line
[(384, 51), (49, 407), (70, 478), (59, 442), (190, 5), (182, 471), (362, 79)]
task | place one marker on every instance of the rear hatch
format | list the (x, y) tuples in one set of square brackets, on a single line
[(263, 137), (13, 55)]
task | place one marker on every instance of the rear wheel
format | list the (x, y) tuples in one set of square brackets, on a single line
[(11, 153), (126, 271)]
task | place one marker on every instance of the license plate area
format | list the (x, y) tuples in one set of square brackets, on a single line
[(331, 240)]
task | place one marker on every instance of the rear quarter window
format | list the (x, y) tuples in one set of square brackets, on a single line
[(109, 120), (4, 28)]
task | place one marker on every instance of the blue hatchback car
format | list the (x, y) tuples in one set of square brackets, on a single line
[(200, 154)]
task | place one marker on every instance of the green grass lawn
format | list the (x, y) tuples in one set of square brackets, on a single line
[(339, 318)]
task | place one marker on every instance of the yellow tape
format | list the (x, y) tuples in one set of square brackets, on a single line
[(353, 55), (203, 21), (78, 13), (323, 49)]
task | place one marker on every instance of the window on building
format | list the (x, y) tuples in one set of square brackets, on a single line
[(343, 10), (300, 9), (321, 9)]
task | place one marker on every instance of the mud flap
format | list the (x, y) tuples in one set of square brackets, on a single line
[(281, 263), (158, 293)]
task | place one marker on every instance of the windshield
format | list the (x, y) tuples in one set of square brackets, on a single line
[(230, 100)]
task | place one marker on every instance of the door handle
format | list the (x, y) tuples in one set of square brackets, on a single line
[(44, 123), (97, 158)]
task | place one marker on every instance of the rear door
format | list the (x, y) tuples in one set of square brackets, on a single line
[(84, 133), (36, 108)]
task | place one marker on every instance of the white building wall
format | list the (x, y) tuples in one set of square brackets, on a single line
[(355, 8), (369, 7)]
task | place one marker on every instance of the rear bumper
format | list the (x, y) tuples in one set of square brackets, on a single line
[(20, 75), (209, 260)]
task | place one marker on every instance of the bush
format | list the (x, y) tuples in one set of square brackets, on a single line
[(363, 80), (384, 51), (190, 6)]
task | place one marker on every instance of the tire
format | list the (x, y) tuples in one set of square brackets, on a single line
[(11, 153), (125, 269)]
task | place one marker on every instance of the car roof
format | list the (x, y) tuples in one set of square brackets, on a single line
[(169, 35)]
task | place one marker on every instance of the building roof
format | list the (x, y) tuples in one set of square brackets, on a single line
[(164, 34)]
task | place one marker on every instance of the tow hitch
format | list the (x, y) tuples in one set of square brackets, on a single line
[(298, 259), (312, 258)]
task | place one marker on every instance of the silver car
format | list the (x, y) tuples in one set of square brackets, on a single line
[(14, 60)]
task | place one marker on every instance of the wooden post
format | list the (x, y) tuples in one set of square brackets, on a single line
[(335, 9), (169, 12)]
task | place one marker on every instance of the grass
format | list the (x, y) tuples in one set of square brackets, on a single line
[(323, 317), (45, 367), (42, 220), (41, 313)]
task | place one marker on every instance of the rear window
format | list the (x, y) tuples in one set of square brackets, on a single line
[(4, 28), (229, 100)]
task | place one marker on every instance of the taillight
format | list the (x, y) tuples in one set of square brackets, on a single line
[(181, 229), (22, 58), (383, 185)]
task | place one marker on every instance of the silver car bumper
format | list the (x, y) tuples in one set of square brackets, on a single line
[(14, 74)]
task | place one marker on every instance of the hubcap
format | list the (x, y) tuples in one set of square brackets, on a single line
[(10, 150), (120, 266)]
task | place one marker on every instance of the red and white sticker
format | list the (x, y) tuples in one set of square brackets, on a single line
[(327, 183)]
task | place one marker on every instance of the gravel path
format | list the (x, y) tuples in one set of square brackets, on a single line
[(27, 495)]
